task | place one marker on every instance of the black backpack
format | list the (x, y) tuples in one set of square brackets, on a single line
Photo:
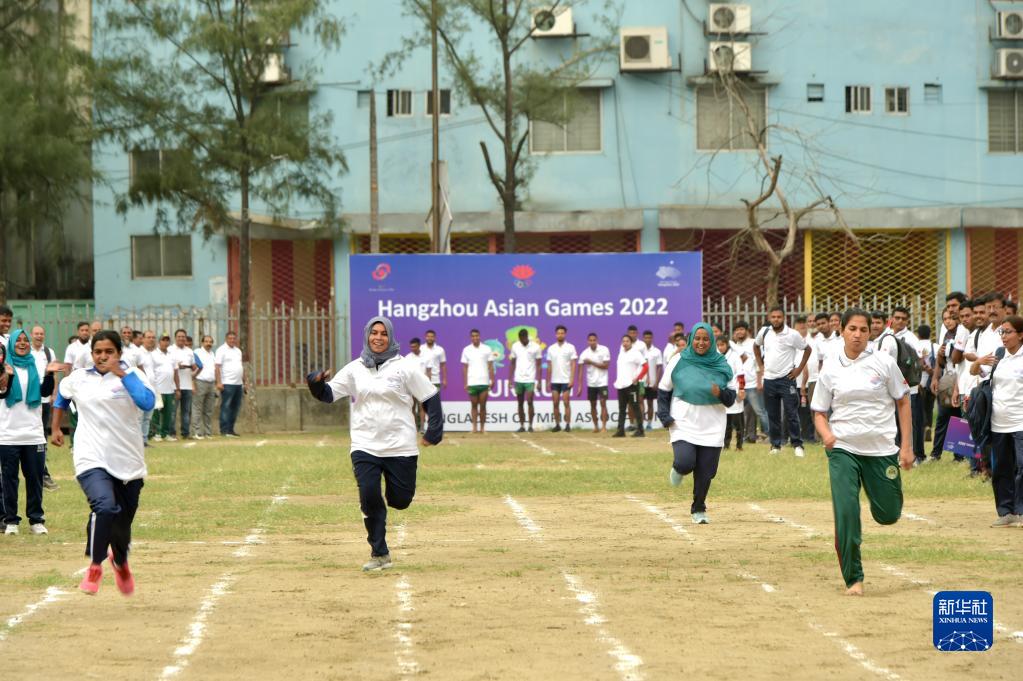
[(908, 361), (981, 404)]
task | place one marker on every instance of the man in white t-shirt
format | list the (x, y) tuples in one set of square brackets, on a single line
[(78, 347), (478, 376), (128, 355), (230, 376), (84, 358), (655, 360), (631, 370), (436, 359), (561, 360), (899, 329), (595, 359), (754, 412), (147, 365), (415, 354), (44, 357), (777, 349), (205, 384), (672, 347), (184, 359), (525, 355), (807, 379), (164, 382)]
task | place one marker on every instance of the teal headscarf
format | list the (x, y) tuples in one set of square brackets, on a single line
[(694, 373), (27, 362)]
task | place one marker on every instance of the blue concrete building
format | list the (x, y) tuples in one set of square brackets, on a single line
[(908, 114)]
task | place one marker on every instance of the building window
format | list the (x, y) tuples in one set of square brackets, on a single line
[(445, 102), (147, 167), (399, 103), (159, 256), (896, 100), (582, 133), (362, 98), (1004, 121), (288, 114), (857, 99), (721, 123), (932, 93), (815, 92)]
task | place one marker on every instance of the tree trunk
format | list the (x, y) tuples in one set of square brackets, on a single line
[(3, 248), (374, 188), (773, 277), (245, 266), (510, 190)]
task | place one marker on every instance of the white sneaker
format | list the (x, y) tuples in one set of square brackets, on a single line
[(11, 529), (156, 438), (171, 438), (376, 563), (800, 453), (775, 450), (38, 528), (700, 519), (674, 477), (199, 437)]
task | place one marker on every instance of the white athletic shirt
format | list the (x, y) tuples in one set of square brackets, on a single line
[(208, 372), (381, 407), (669, 350), (859, 394), (478, 358), (892, 348), (526, 357), (966, 380), (560, 357), (419, 360), (595, 376), (780, 350), (735, 362), (1007, 402), (185, 360), (21, 425), (230, 362), (698, 424), (654, 359), (163, 375), (990, 341), (148, 364), (107, 435), (749, 367), (42, 360), (75, 349), (435, 356), (629, 365)]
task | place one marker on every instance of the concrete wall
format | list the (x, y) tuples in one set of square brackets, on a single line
[(293, 409)]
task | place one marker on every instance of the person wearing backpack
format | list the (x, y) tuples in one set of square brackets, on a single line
[(1005, 367), (904, 347)]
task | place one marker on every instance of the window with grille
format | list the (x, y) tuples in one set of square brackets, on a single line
[(399, 103), (932, 93), (161, 256), (284, 114), (1004, 121), (445, 102), (815, 92), (147, 166), (896, 100), (721, 122), (582, 133), (857, 99)]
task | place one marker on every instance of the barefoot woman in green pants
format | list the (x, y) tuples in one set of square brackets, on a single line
[(857, 386)]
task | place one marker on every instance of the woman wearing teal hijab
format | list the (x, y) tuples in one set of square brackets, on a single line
[(697, 387), (22, 442)]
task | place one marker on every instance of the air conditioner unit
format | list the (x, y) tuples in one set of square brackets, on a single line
[(553, 23), (1010, 25), (735, 57), (1009, 64), (729, 18), (275, 72), (645, 49)]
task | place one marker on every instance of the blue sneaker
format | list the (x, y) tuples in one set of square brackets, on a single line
[(700, 519), (674, 477)]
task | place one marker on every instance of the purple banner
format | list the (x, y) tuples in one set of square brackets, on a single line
[(958, 439), (499, 294)]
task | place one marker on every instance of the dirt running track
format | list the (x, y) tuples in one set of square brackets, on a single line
[(609, 587)]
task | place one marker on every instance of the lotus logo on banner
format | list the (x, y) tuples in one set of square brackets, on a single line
[(523, 274), (381, 272), (668, 274)]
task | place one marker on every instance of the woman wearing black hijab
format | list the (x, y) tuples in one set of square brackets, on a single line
[(382, 385)]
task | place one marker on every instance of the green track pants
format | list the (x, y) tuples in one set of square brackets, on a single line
[(881, 478)]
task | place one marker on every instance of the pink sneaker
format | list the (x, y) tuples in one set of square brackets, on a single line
[(90, 584), (122, 577)]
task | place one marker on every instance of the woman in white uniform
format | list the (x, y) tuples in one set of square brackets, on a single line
[(692, 400), (383, 386), (109, 462)]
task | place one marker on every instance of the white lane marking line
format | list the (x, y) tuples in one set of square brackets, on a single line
[(190, 444), (525, 521), (407, 665), (854, 652), (454, 442), (627, 663), (769, 588), (895, 571), (52, 595), (671, 522), (808, 531), (261, 443), (540, 448), (596, 444), (916, 518), (197, 629)]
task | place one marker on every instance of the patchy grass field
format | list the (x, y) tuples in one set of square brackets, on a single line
[(540, 556)]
